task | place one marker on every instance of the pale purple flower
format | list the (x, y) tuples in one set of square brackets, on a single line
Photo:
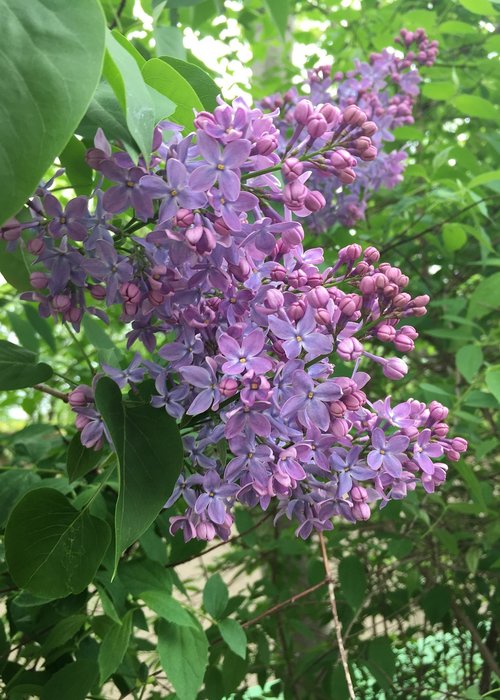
[(129, 193), (244, 357), (309, 400), (424, 450), (205, 379), (109, 267), (72, 221), (177, 192), (302, 336), (133, 374), (350, 467), (215, 497), (221, 165), (170, 399), (387, 453)]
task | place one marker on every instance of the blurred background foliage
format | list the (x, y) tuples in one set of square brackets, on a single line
[(419, 584)]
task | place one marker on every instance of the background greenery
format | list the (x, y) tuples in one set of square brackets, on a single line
[(418, 585)]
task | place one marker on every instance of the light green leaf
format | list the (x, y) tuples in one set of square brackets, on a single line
[(167, 81), (14, 268), (201, 82), (97, 336), (472, 557), (441, 90), (215, 596), (455, 27), (493, 381), (50, 64), (124, 76), (168, 608), (183, 655), (52, 549), (469, 359), (279, 11), (234, 635), (169, 42), (484, 299), (484, 178), (454, 236), (149, 449), (113, 647), (478, 7), (475, 106), (19, 368)]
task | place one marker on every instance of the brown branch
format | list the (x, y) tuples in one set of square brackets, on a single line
[(429, 229), (336, 619), (53, 392), (172, 565), (485, 652)]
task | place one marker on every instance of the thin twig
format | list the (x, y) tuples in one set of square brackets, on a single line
[(53, 392), (116, 18), (289, 601), (336, 619), (488, 657)]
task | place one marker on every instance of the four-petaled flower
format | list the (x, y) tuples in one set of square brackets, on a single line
[(388, 453), (244, 357), (302, 336), (222, 165), (309, 400)]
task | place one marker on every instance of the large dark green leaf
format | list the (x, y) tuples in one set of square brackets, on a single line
[(183, 655), (80, 460), (50, 64), (113, 647), (51, 548), (14, 268), (149, 449), (13, 484), (72, 682), (19, 368)]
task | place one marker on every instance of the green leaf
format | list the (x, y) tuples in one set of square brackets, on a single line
[(65, 630), (352, 578), (454, 236), (201, 82), (52, 549), (13, 484), (113, 647), (79, 459), (73, 160), (234, 635), (279, 11), (166, 80), (183, 655), (169, 42), (484, 178), (72, 682), (124, 76), (142, 575), (478, 7), (441, 90), (104, 112), (436, 602), (475, 106), (469, 359), (215, 596), (149, 449), (381, 660), (168, 608), (493, 381), (24, 331), (14, 268), (50, 65), (472, 557), (41, 326), (484, 299), (97, 336), (19, 368), (456, 27)]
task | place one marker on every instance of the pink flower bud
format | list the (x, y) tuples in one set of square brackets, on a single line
[(10, 231), (314, 201), (279, 274), (130, 292), (349, 349), (318, 297), (401, 300), (297, 278), (440, 430), (316, 125), (228, 387), (361, 511), (39, 280), (369, 128), (303, 111), (437, 412), (403, 343), (367, 285), (350, 253), (322, 316), (296, 310), (337, 409), (61, 303), (294, 195), (369, 154), (292, 168), (98, 292), (73, 315), (359, 493), (339, 427), (386, 333), (36, 246), (80, 397), (354, 116), (459, 444), (330, 113), (347, 176), (395, 368), (349, 304), (184, 218), (341, 159), (274, 299)]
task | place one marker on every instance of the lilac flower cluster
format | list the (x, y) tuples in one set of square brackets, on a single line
[(254, 346), (385, 88)]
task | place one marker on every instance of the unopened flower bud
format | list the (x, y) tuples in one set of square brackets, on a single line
[(361, 511), (349, 349), (318, 297), (303, 111), (292, 168), (314, 201), (395, 368), (39, 280), (316, 125), (228, 387)]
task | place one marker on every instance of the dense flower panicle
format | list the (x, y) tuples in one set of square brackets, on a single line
[(385, 88), (256, 324)]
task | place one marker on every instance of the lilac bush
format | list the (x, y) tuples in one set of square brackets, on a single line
[(385, 88), (268, 347)]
